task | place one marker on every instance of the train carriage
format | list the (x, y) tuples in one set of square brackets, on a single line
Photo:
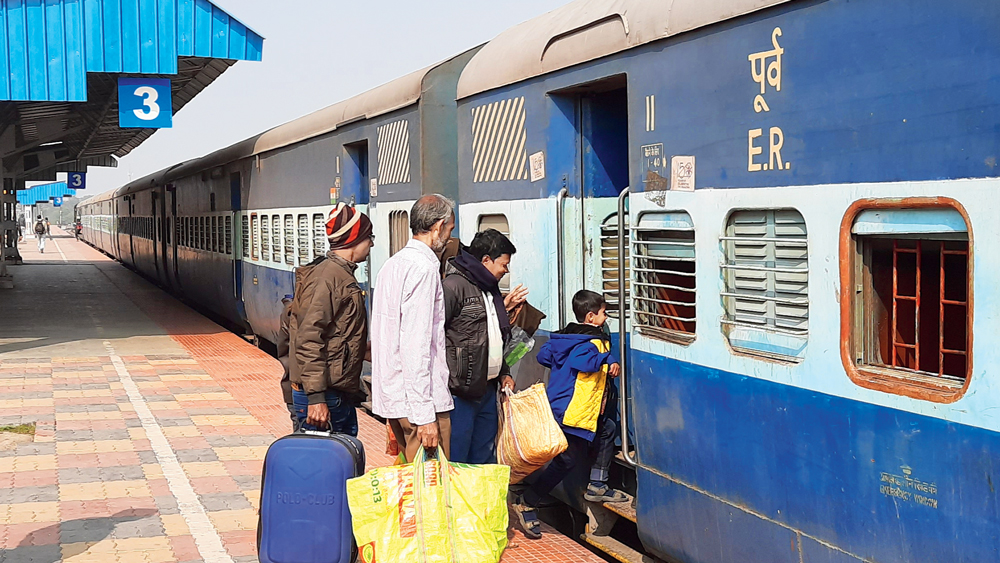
[(802, 183), (786, 191)]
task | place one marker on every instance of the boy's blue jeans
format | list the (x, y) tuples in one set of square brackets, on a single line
[(597, 454), (343, 415)]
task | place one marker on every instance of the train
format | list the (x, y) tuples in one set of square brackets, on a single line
[(778, 200)]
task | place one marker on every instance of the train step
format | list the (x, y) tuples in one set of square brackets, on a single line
[(617, 550), (624, 509)]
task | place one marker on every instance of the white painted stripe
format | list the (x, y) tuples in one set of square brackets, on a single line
[(206, 538), (60, 250)]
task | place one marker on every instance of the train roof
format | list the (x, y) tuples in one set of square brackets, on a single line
[(389, 97), (110, 194), (586, 30)]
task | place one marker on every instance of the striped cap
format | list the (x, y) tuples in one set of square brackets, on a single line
[(347, 227)]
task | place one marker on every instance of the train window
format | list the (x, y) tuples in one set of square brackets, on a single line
[(254, 235), (245, 235), (320, 242), (499, 222), (305, 240), (609, 264), (766, 273), (228, 235), (202, 233), (289, 240), (265, 238), (276, 238), (664, 289), (909, 323), (215, 234), (399, 231)]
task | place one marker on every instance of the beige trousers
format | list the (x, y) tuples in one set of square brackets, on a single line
[(406, 435)]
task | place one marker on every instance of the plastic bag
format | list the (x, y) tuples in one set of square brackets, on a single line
[(519, 345), (417, 513), (529, 436)]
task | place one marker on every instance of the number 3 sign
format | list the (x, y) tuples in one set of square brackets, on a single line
[(145, 103)]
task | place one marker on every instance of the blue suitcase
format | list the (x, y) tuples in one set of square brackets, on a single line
[(303, 499)]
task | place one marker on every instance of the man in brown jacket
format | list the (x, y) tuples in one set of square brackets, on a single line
[(328, 332)]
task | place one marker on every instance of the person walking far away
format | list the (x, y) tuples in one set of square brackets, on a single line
[(48, 228), (328, 328), (283, 353), (40, 234), (579, 390), (409, 367), (476, 328)]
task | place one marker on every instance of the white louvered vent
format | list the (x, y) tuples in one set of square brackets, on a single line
[(320, 243), (304, 239), (276, 238), (609, 265), (766, 273)]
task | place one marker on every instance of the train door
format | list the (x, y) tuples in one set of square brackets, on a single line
[(163, 236), (358, 183), (154, 236), (240, 249), (588, 230), (173, 235)]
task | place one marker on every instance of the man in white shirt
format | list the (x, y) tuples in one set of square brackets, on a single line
[(409, 368)]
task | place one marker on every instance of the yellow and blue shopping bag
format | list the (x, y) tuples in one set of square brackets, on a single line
[(430, 511)]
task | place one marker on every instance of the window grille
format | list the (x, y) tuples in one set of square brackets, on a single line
[(399, 231), (912, 307), (663, 267), (265, 238), (245, 235), (276, 238), (229, 235), (766, 274), (320, 242), (609, 265), (215, 234), (254, 235), (289, 240), (305, 240)]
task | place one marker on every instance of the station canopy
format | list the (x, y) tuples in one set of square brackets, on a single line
[(44, 193), (60, 61)]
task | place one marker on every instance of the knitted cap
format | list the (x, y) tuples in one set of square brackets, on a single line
[(347, 227)]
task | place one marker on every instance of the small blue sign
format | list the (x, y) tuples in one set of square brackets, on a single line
[(145, 103), (57, 202), (77, 180)]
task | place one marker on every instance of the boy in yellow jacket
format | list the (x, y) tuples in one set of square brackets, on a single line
[(579, 388)]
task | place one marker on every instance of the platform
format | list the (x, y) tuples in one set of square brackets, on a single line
[(152, 422)]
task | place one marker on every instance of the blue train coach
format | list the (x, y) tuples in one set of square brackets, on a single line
[(802, 182)]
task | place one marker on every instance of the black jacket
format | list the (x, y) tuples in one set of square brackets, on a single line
[(466, 335)]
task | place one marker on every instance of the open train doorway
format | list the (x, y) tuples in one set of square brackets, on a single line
[(600, 114), (357, 180)]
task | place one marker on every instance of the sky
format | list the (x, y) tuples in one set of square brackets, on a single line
[(316, 53)]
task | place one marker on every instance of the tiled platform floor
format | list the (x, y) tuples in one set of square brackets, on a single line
[(95, 486)]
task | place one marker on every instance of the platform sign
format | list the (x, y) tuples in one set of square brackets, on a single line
[(77, 180), (57, 202), (145, 103)]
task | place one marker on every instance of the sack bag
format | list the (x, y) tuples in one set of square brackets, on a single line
[(39, 228), (529, 436), (430, 511)]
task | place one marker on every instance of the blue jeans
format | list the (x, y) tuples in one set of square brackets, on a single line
[(343, 415), (474, 428)]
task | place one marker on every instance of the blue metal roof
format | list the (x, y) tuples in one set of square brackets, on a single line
[(48, 46), (44, 193)]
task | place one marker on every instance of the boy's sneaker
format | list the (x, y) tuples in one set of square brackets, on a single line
[(527, 517), (604, 493)]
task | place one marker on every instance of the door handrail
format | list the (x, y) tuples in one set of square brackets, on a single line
[(561, 257), (622, 332)]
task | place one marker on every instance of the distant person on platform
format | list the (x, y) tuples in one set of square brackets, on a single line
[(328, 328), (48, 228), (40, 234), (409, 368)]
